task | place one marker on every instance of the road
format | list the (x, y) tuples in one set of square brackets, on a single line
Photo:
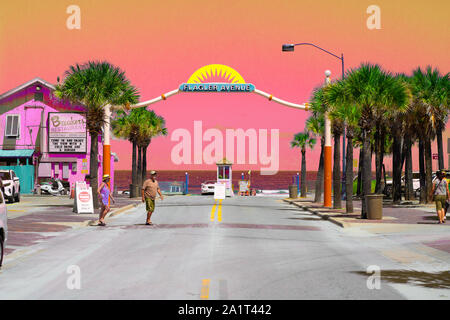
[(242, 248)]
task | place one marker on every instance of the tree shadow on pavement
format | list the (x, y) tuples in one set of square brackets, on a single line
[(438, 280)]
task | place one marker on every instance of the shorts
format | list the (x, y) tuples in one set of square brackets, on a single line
[(440, 201), (150, 204)]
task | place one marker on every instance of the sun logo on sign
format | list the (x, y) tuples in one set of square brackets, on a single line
[(216, 73)]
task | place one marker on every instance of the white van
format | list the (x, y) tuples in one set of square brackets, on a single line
[(3, 225)]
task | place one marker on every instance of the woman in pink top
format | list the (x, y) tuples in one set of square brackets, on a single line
[(104, 195)]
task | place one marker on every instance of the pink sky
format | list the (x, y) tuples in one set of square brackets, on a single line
[(160, 44)]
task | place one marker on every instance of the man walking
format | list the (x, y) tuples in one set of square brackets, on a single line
[(149, 190)]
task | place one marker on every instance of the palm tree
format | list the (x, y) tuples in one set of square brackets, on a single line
[(337, 128), (430, 92), (336, 96), (95, 85), (302, 140), (316, 125), (397, 119), (152, 126), (126, 126), (371, 89)]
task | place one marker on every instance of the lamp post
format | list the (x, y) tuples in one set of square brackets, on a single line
[(107, 143), (327, 154), (290, 47)]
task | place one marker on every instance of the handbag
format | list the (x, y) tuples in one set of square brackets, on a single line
[(434, 193)]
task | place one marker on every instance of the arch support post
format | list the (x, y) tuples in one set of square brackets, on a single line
[(327, 155)]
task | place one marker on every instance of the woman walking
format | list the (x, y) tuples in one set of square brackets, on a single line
[(440, 194), (104, 195)]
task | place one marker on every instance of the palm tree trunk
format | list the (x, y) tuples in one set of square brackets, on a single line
[(93, 168), (139, 167), (360, 169), (337, 204), (409, 190), (379, 155), (396, 169), (133, 173), (366, 172), (303, 173), (423, 189), (440, 147), (144, 164), (349, 175), (428, 168), (319, 176)]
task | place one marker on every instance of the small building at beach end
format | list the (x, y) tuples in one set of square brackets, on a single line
[(43, 137)]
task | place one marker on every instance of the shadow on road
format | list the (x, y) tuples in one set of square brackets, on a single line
[(439, 280)]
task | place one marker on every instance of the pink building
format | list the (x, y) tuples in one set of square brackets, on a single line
[(42, 137)]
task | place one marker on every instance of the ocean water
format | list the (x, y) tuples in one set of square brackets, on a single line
[(279, 181)]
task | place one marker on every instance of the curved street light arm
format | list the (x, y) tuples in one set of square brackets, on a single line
[(312, 44)]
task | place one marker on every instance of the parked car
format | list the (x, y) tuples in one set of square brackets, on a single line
[(416, 184), (3, 226), (208, 187), (11, 185)]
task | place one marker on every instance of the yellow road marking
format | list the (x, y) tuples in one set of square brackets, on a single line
[(16, 203), (16, 210), (213, 210), (219, 211), (204, 293)]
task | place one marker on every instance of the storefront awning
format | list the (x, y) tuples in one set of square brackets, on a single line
[(16, 153)]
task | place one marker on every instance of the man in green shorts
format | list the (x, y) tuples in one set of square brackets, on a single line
[(149, 190)]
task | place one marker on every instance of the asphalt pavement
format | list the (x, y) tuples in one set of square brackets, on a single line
[(240, 248)]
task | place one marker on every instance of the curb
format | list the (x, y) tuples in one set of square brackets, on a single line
[(323, 216), (114, 213)]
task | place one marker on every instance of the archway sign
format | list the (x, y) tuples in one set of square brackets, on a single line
[(230, 81), (233, 82)]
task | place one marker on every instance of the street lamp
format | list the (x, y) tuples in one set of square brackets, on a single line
[(290, 47)]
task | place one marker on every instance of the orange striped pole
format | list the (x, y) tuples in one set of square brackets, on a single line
[(327, 155), (107, 144)]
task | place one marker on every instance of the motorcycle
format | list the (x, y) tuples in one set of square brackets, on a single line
[(55, 188)]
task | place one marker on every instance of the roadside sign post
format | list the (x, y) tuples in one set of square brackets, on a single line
[(83, 201), (219, 191)]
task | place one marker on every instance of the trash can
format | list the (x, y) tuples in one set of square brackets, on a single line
[(374, 205), (293, 191)]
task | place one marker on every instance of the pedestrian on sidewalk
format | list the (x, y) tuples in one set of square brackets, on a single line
[(440, 195), (149, 190), (105, 195)]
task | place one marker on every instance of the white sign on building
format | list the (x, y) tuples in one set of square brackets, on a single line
[(67, 132)]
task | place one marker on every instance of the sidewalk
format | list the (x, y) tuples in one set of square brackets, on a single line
[(392, 214), (418, 222), (38, 218)]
